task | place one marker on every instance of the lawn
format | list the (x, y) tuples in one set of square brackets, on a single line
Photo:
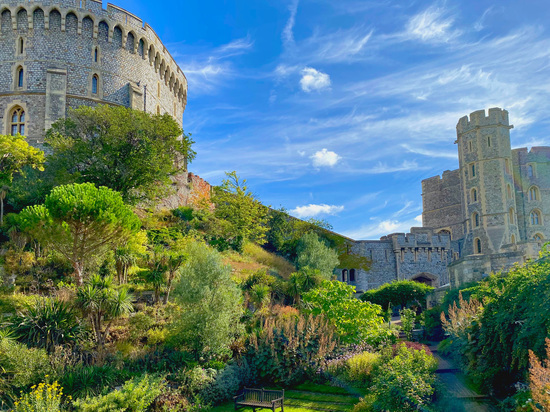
[(309, 398)]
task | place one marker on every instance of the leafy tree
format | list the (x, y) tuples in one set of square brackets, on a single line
[(47, 324), (244, 216), (81, 222), (316, 255), (15, 154), (356, 322), (130, 151), (210, 300), (399, 293), (102, 304)]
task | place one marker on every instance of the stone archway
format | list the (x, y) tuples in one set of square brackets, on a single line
[(426, 278)]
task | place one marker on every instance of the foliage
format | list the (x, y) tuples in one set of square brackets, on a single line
[(43, 398), (276, 263), (356, 322), (316, 255), (84, 381), (400, 293), (102, 304), (20, 367), (46, 324), (244, 215), (288, 349), (539, 378), (11, 303), (431, 322), (127, 253), (210, 303), (228, 382), (15, 155), (135, 395), (406, 380), (81, 222), (408, 318), (130, 151), (359, 368)]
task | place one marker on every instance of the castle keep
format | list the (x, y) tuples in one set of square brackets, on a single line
[(57, 55), (485, 216)]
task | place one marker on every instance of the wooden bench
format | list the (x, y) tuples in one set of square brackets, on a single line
[(260, 398)]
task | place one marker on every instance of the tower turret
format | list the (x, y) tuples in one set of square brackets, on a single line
[(485, 160)]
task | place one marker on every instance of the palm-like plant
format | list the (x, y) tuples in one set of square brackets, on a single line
[(47, 324), (102, 304)]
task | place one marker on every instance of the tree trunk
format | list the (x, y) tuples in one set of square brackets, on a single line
[(79, 272), (2, 210), (168, 287)]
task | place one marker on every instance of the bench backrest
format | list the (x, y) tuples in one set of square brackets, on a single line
[(262, 395)]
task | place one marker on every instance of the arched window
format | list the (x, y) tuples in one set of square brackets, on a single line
[(534, 193), (535, 218), (475, 219), (344, 275), (538, 237), (509, 191), (95, 82), (474, 195), (20, 77), (17, 124), (507, 165), (158, 90), (477, 246), (513, 239), (472, 170), (352, 275), (530, 171), (511, 216)]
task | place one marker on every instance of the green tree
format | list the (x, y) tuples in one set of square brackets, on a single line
[(316, 255), (130, 151), (211, 302), (102, 304), (15, 155), (399, 293), (244, 215), (356, 322), (127, 254), (81, 222)]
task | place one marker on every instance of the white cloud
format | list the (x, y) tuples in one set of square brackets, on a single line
[(380, 228), (288, 35), (325, 158), (313, 79), (315, 210), (430, 25)]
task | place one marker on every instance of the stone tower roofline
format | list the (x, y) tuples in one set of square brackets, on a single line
[(496, 117), (114, 17)]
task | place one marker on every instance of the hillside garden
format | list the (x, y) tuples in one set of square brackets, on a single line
[(108, 304)]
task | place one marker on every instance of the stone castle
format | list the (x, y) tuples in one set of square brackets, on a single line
[(492, 212), (63, 54)]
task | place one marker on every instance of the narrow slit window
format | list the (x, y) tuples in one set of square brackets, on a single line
[(488, 141), (20, 77), (95, 81), (21, 46), (96, 55)]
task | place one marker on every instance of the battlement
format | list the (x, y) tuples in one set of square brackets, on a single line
[(420, 238), (478, 118), (436, 183), (133, 30)]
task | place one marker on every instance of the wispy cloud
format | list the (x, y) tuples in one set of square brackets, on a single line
[(288, 31), (378, 228), (431, 25), (315, 210)]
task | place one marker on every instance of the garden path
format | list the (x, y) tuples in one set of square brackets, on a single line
[(455, 383)]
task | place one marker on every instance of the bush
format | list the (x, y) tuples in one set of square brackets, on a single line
[(83, 381), (315, 254), (44, 398), (228, 382), (289, 350), (400, 293), (408, 317), (431, 321), (406, 380), (136, 395), (360, 367), (196, 379), (21, 367)]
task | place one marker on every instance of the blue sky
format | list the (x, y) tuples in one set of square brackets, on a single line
[(338, 109)]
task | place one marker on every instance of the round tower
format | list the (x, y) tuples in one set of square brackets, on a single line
[(62, 54), (485, 160)]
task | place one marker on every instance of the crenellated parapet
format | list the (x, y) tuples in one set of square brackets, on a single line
[(138, 36), (479, 118)]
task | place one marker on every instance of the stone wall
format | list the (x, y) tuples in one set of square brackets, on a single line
[(62, 45), (187, 190)]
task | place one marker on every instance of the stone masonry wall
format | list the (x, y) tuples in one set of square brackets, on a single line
[(133, 67)]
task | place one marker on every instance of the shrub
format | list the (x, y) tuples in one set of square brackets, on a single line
[(289, 350), (408, 317), (406, 380), (228, 382), (360, 367), (400, 293), (83, 381), (196, 379), (136, 395), (431, 322), (46, 324), (43, 398), (315, 254), (539, 378)]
